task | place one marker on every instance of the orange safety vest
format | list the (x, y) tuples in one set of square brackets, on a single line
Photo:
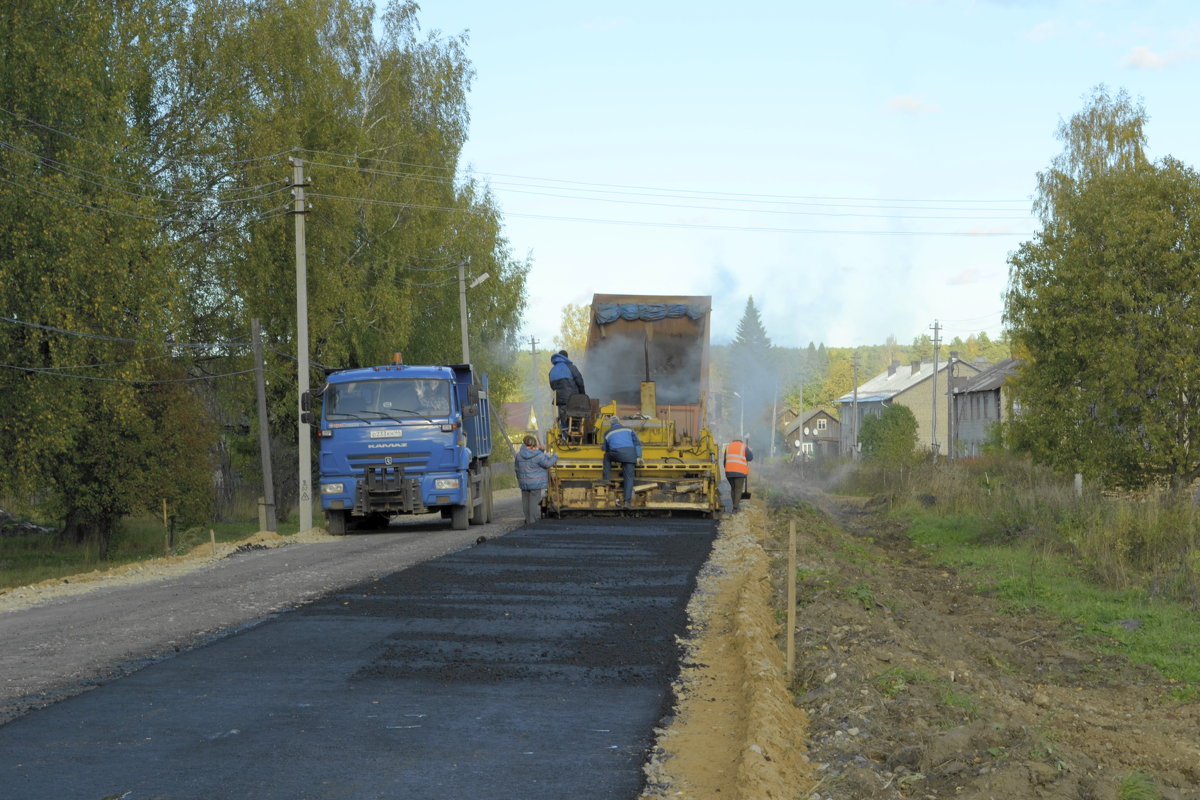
[(735, 459)]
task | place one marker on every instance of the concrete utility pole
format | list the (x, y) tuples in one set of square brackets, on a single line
[(951, 422), (305, 442), (462, 309), (854, 406), (264, 429), (774, 420), (462, 304), (536, 387), (933, 434)]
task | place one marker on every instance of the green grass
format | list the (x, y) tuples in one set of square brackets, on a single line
[(1027, 574), (32, 559), (1138, 786), (892, 682)]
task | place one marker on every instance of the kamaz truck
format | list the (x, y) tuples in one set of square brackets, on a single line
[(401, 439)]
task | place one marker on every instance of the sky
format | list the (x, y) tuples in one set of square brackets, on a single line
[(860, 169)]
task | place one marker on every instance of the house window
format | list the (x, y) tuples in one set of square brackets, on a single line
[(822, 424)]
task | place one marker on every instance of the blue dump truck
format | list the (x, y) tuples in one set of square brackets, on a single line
[(400, 439)]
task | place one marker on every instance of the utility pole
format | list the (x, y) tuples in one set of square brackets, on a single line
[(533, 343), (951, 422), (854, 415), (462, 309), (802, 430), (264, 429), (462, 304), (305, 440), (774, 420), (933, 434)]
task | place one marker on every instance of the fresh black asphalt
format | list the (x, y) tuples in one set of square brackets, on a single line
[(534, 665)]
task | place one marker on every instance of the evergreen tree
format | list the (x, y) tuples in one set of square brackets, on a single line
[(751, 335), (755, 376)]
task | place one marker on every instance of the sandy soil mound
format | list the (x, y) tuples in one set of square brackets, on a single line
[(736, 732)]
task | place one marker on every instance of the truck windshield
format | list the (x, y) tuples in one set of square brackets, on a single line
[(401, 398)]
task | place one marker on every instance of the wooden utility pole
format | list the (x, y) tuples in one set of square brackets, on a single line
[(264, 428)]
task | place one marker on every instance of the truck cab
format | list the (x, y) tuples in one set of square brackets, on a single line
[(401, 439)]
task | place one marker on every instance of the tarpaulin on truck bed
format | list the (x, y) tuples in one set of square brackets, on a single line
[(649, 312)]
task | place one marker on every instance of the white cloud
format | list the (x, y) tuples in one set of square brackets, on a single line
[(911, 105), (1044, 31), (966, 277), (1142, 57)]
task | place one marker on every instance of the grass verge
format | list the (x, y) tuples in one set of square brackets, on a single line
[(1033, 574), (31, 559)]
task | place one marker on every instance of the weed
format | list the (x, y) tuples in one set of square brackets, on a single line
[(966, 703), (892, 682), (863, 594), (1137, 785)]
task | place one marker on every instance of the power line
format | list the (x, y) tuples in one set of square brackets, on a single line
[(707, 194), (682, 225), (107, 338), (107, 181), (140, 381), (133, 154)]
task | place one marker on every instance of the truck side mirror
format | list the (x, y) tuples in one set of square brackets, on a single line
[(308, 417), (471, 410), (306, 401)]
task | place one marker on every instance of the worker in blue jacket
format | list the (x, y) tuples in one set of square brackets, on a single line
[(533, 468), (566, 381), (622, 446)]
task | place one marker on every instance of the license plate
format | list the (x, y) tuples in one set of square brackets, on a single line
[(386, 433)]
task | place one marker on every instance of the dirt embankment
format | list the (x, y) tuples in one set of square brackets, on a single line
[(736, 732), (918, 686), (908, 683)]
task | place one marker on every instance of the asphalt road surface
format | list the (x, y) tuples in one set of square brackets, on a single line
[(533, 665)]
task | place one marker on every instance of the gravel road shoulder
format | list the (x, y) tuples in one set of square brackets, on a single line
[(64, 637)]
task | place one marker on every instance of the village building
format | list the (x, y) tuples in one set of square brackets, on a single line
[(816, 433), (912, 386), (980, 404)]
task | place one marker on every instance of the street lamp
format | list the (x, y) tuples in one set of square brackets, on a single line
[(462, 304)]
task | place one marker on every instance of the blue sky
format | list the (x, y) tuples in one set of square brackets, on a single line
[(861, 169)]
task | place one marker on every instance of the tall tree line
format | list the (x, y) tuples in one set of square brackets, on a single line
[(144, 198)]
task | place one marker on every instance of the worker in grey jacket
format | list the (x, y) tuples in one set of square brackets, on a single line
[(533, 476)]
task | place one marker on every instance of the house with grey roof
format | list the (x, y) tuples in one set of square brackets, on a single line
[(979, 404), (911, 386)]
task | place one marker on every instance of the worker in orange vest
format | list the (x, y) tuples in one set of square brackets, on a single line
[(737, 469)]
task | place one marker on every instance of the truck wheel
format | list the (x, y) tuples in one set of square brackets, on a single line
[(335, 521), (478, 501), (458, 518)]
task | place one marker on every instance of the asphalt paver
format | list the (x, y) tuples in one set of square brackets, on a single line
[(534, 665)]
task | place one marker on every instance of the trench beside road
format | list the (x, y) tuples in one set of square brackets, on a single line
[(532, 665)]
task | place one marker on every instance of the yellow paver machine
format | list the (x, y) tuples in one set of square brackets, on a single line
[(647, 365)]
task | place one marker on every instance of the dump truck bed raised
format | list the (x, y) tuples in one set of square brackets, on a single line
[(646, 363)]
